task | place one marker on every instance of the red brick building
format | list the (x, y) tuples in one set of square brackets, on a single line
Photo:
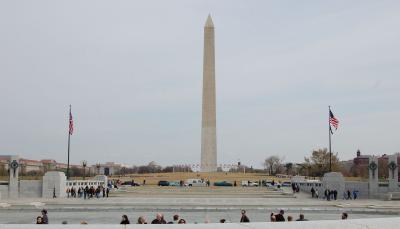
[(360, 165)]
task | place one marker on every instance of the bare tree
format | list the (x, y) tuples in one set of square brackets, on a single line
[(289, 168), (273, 164), (318, 163)]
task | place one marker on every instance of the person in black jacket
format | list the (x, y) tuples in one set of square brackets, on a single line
[(279, 217), (125, 220), (159, 219), (301, 218), (244, 218), (45, 219)]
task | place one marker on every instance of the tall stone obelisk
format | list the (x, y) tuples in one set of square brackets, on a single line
[(208, 130)]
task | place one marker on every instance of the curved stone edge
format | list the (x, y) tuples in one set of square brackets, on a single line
[(377, 223)]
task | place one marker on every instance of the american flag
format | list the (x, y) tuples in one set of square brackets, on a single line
[(71, 123), (333, 121)]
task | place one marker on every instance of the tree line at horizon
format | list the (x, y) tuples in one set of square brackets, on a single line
[(316, 165)]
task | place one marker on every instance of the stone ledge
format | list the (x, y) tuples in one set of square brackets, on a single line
[(377, 223)]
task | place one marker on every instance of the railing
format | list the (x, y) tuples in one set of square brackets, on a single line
[(84, 183)]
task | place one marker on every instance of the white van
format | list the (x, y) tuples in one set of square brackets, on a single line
[(247, 183), (195, 182)]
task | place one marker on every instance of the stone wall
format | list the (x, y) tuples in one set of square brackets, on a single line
[(30, 189), (361, 187), (3, 192), (54, 183), (334, 181), (382, 190), (377, 223)]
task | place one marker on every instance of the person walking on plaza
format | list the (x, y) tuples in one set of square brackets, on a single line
[(244, 218), (104, 192), (97, 192), (72, 192), (312, 192), (344, 215), (328, 195), (125, 220), (45, 219), (348, 195), (85, 192), (91, 192), (107, 191), (355, 194), (335, 194)]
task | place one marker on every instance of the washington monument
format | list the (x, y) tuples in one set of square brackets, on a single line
[(208, 130)]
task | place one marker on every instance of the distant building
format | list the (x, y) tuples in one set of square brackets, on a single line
[(109, 168), (4, 161), (60, 166), (49, 165), (361, 162), (28, 165)]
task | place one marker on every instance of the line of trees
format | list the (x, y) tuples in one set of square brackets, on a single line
[(315, 165), (153, 167)]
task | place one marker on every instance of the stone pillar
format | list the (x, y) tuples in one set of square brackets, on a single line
[(209, 130), (54, 183), (13, 183), (393, 173), (373, 176), (334, 181)]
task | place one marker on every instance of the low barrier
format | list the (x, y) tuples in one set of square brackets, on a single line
[(377, 223)]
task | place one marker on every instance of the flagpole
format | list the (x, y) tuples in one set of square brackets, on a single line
[(330, 134), (69, 138)]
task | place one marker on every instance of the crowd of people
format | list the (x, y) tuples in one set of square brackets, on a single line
[(176, 219), (87, 192), (333, 194)]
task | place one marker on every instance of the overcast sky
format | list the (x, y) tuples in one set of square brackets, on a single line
[(132, 71)]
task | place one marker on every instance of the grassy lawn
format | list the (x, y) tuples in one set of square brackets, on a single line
[(153, 178)]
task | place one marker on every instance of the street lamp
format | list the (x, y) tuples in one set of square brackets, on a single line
[(98, 168), (84, 164)]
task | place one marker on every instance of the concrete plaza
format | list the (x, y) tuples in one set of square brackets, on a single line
[(194, 204)]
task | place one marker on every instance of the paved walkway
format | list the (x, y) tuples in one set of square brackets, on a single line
[(251, 198)]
